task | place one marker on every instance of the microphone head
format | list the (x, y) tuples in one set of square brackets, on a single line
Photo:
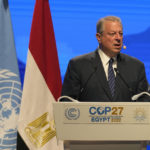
[(116, 70), (124, 47)]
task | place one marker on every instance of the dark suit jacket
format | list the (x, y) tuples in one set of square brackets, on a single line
[(85, 79)]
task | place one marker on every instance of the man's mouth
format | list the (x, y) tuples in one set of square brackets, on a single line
[(117, 45)]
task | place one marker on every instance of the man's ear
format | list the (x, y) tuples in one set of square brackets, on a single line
[(98, 37)]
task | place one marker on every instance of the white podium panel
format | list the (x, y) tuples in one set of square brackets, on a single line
[(102, 121)]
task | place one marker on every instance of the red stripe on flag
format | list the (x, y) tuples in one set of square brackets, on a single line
[(43, 46)]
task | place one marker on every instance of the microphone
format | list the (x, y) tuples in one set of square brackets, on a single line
[(129, 88), (90, 76)]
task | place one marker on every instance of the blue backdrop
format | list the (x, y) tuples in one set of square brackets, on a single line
[(75, 27)]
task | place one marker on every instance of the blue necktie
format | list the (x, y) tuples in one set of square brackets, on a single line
[(111, 77)]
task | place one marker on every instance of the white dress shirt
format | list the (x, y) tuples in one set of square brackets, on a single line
[(105, 61)]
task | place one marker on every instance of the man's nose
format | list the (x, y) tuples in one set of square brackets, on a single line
[(118, 37)]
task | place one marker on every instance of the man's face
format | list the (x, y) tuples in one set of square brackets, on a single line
[(111, 38)]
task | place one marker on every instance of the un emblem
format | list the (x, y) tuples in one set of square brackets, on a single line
[(10, 99), (72, 113)]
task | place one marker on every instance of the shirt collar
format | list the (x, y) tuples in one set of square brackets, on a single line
[(105, 58)]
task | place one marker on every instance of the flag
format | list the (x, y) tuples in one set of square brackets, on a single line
[(42, 84), (10, 86)]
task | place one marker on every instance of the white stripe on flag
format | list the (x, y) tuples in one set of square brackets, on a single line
[(37, 100)]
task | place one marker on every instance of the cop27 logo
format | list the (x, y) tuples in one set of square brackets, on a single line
[(107, 114), (106, 110)]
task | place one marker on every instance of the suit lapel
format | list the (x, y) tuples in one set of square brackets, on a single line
[(100, 74)]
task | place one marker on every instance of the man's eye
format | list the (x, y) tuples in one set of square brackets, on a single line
[(113, 33), (121, 33)]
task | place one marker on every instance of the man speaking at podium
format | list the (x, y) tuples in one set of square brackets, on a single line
[(105, 75)]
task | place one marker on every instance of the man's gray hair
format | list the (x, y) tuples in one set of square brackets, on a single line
[(100, 23)]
